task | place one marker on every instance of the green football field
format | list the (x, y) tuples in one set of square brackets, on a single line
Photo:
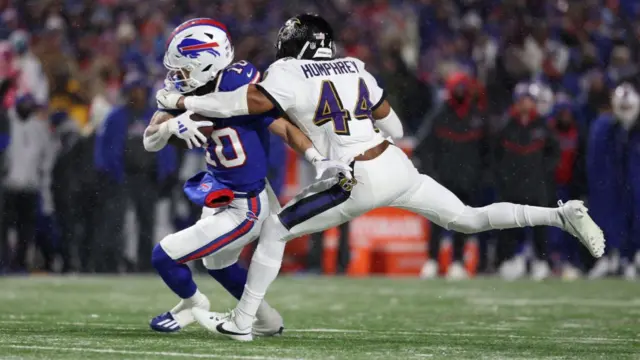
[(328, 318)]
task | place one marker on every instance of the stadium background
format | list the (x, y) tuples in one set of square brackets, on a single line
[(78, 60)]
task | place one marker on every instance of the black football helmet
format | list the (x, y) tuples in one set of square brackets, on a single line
[(306, 36)]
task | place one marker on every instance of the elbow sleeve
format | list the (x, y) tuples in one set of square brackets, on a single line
[(391, 125), (220, 104)]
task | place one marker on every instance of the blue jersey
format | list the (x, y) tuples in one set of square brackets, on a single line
[(237, 152)]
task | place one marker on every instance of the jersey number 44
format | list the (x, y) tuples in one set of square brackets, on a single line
[(330, 108)]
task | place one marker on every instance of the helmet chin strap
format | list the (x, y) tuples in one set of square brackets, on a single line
[(304, 48)]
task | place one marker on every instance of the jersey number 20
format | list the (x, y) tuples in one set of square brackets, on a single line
[(239, 157), (330, 108)]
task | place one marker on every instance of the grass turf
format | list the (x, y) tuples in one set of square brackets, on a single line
[(328, 318)]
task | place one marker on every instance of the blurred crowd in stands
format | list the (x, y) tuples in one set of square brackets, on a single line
[(504, 99)]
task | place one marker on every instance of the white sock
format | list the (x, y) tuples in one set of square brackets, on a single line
[(262, 272), (508, 215), (505, 216), (264, 268), (182, 313)]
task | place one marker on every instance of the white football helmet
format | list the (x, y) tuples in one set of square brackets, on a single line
[(626, 105), (545, 99), (196, 51)]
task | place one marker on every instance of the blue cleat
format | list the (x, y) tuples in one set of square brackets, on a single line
[(165, 323)]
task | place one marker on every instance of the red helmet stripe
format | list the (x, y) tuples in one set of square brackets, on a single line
[(196, 22), (210, 45)]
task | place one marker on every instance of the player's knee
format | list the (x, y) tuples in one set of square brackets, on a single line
[(468, 222), (159, 257), (273, 229)]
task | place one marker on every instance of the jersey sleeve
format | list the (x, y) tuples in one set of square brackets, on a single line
[(279, 84), (237, 75), (377, 95)]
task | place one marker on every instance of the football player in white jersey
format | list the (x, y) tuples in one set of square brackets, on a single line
[(336, 102)]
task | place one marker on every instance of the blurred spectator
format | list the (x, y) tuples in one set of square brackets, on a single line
[(596, 97), (570, 177), (606, 172), (29, 162), (525, 156), (31, 78), (130, 173), (66, 175), (455, 154), (411, 97)]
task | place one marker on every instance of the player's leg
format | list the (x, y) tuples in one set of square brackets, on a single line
[(320, 206), (432, 200), (228, 229), (223, 266)]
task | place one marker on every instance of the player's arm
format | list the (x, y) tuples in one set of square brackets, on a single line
[(156, 136), (245, 100), (294, 137), (301, 144), (164, 125), (277, 90), (387, 120)]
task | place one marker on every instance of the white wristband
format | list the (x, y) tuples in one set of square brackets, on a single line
[(157, 141), (312, 155)]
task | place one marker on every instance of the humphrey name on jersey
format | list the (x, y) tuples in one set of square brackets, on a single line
[(327, 68)]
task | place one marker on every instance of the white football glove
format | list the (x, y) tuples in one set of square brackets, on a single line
[(167, 99), (186, 129), (331, 168)]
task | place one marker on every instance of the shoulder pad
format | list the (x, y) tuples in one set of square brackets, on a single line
[(237, 75)]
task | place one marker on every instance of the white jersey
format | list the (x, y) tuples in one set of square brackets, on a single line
[(330, 101)]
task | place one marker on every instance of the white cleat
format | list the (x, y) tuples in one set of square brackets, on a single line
[(630, 272), (429, 270), (457, 272), (570, 273), (540, 270), (579, 224), (268, 324), (179, 317), (600, 269), (223, 324), (513, 269)]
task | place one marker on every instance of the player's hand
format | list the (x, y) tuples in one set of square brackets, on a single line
[(329, 168), (167, 99), (186, 129)]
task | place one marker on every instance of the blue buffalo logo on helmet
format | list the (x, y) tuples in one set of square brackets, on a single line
[(192, 48)]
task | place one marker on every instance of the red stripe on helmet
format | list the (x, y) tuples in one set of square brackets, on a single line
[(196, 22)]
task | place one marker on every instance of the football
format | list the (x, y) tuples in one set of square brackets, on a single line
[(206, 131)]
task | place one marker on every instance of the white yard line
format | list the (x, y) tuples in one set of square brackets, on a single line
[(148, 353), (579, 339), (555, 302)]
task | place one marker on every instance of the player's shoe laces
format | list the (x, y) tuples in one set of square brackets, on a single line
[(179, 317), (579, 224), (223, 324)]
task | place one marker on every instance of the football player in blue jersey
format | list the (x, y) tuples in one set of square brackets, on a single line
[(232, 191)]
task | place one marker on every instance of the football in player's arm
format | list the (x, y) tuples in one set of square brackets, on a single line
[(165, 128)]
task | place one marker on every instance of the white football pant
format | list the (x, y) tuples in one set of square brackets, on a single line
[(220, 234)]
